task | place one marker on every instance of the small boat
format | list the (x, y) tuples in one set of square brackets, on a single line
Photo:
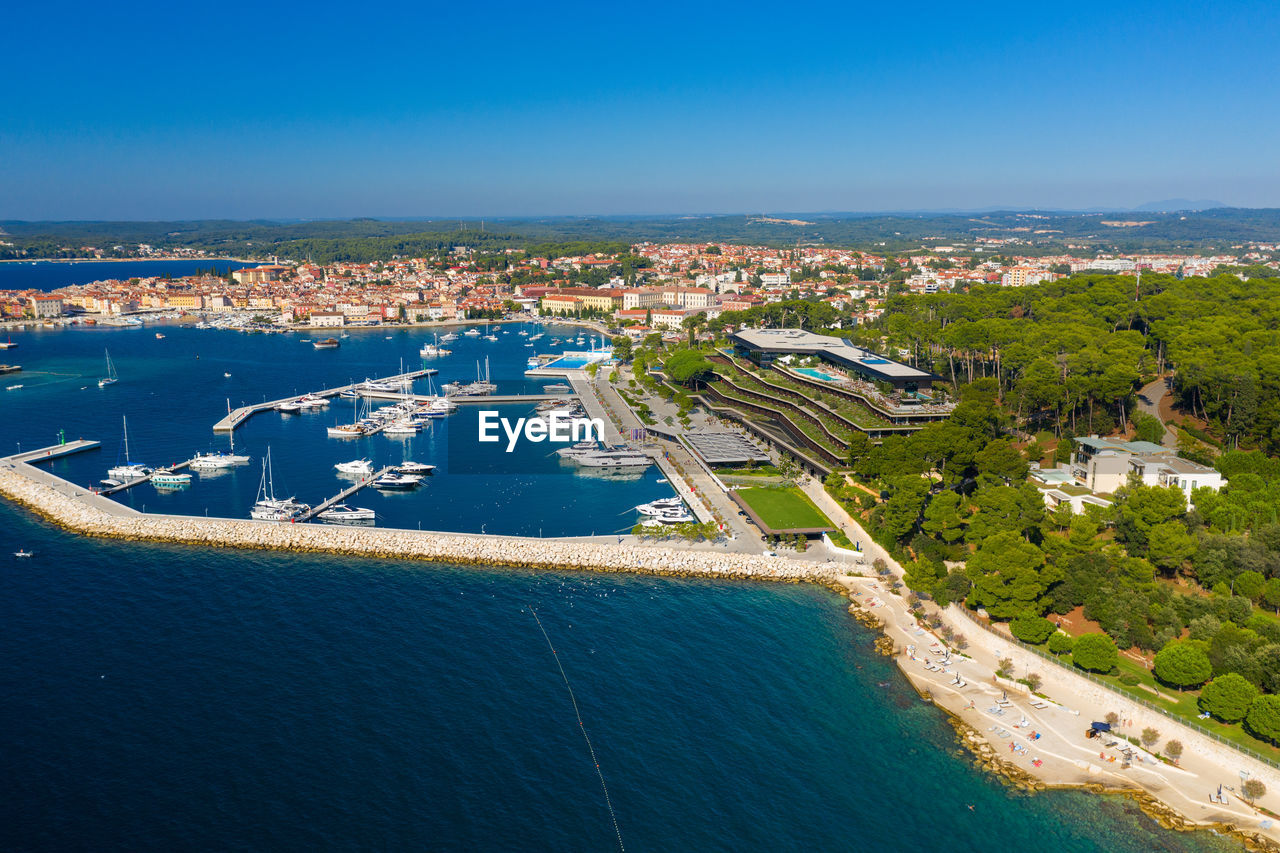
[(227, 375), (164, 478), (159, 337), (327, 343), (415, 468), (12, 387), (289, 407), (472, 333), (401, 427), (343, 514), (268, 507), (346, 431), (20, 553), (557, 388)]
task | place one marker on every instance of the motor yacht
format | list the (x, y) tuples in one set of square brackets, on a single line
[(164, 478), (343, 514), (415, 468), (355, 466), (398, 482)]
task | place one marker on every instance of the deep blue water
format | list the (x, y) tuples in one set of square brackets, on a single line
[(159, 698), (174, 390), (50, 275), (162, 698)]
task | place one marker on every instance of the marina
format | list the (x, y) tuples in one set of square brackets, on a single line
[(341, 496), (236, 417)]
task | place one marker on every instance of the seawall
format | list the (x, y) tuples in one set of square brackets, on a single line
[(519, 552)]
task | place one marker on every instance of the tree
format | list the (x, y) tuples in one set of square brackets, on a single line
[(1032, 628), (1001, 460), (1095, 652), (1148, 428), (688, 367), (622, 347), (1183, 665), (1033, 681), (1271, 594), (1250, 584), (1173, 749), (1228, 697), (1009, 576), (943, 519), (1149, 737), (1060, 643), (1169, 545), (902, 510), (1263, 719), (1253, 789)]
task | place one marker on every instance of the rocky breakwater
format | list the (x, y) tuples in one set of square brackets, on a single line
[(518, 552)]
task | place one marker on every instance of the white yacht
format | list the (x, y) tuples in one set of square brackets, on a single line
[(433, 349), (355, 466), (449, 336), (210, 461), (270, 508), (613, 459), (397, 481), (417, 468), (401, 427), (582, 448), (343, 514), (289, 407), (661, 506), (472, 333)]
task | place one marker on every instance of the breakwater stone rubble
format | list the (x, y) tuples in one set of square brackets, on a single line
[(460, 548)]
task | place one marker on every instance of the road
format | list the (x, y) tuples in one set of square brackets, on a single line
[(1149, 402)]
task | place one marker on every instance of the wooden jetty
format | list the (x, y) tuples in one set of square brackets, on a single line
[(342, 495), (238, 416)]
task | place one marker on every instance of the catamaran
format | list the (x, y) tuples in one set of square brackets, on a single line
[(125, 471), (270, 508), (111, 378)]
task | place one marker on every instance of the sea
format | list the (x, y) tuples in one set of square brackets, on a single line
[(50, 275), (159, 697)]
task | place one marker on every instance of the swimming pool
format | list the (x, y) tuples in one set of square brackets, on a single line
[(576, 360), (815, 373)]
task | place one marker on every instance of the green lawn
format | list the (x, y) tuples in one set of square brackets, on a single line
[(784, 509)]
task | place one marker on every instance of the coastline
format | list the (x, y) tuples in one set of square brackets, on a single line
[(869, 604)]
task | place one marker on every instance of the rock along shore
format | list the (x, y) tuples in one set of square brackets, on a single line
[(518, 552)]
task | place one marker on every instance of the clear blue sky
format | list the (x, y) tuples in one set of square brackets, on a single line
[(170, 110)]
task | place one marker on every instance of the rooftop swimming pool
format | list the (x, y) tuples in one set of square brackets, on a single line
[(815, 373)]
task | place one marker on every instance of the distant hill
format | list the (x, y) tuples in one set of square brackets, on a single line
[(1172, 205), (1174, 225)]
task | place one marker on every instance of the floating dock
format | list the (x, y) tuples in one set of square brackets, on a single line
[(342, 495), (238, 416)]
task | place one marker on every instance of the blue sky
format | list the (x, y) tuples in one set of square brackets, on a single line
[(149, 111)]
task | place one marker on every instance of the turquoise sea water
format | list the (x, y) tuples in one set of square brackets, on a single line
[(161, 698)]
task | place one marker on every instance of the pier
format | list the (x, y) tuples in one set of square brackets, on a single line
[(58, 450), (238, 416), (464, 399), (343, 495)]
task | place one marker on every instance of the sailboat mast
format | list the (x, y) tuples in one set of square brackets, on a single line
[(125, 422)]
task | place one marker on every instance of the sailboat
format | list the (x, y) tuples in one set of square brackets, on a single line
[(429, 350), (127, 470), (112, 377), (270, 508)]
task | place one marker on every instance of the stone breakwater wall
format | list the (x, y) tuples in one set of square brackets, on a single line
[(518, 552)]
